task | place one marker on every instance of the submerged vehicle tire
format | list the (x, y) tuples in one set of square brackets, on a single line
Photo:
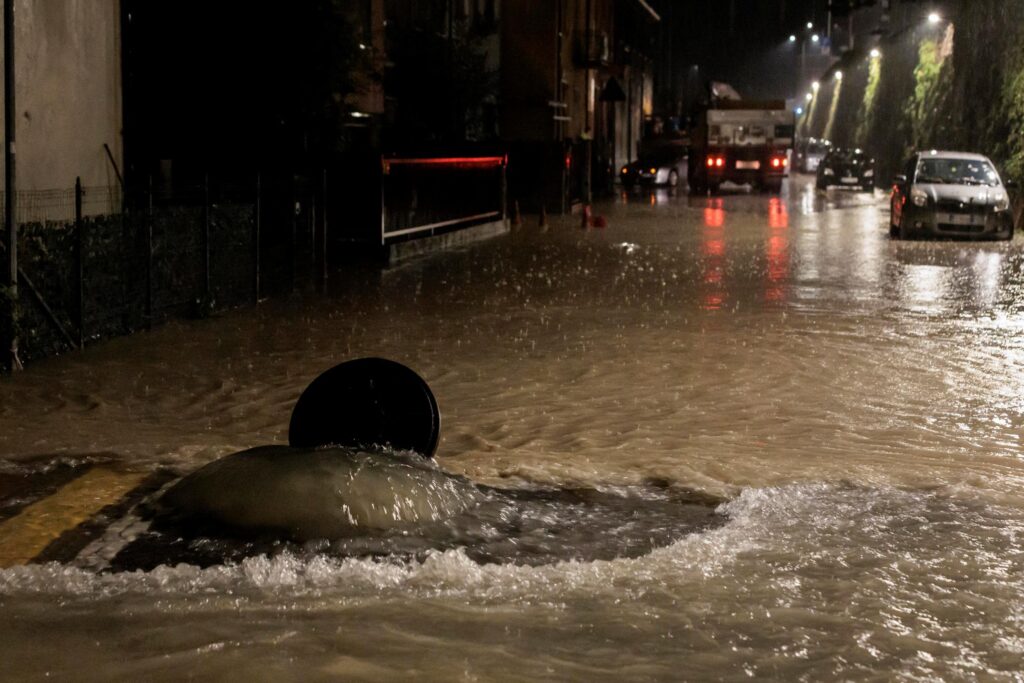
[(366, 403)]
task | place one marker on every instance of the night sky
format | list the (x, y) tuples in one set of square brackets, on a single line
[(742, 42)]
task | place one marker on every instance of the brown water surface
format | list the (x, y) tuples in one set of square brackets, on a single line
[(857, 400)]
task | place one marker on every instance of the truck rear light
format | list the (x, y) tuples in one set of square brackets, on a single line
[(711, 162), (720, 162)]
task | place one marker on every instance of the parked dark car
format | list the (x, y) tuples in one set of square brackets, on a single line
[(666, 167), (846, 168), (950, 194)]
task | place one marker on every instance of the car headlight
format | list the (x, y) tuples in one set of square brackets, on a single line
[(1002, 202), (919, 197), (870, 173), (829, 171)]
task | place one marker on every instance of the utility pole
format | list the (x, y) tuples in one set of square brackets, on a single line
[(10, 306)]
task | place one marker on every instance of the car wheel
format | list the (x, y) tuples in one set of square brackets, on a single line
[(673, 178), (821, 186), (713, 187)]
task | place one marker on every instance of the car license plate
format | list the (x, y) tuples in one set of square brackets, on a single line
[(962, 219), (748, 165), (849, 180)]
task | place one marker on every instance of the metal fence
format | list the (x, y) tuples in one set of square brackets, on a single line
[(426, 196), (41, 206), (93, 264)]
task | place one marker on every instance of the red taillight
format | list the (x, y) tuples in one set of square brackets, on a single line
[(711, 162), (720, 162)]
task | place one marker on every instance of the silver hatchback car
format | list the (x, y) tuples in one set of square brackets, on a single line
[(950, 194)]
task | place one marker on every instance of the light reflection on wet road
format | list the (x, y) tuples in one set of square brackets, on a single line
[(859, 399)]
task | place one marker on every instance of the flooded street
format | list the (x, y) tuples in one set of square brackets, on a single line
[(856, 402)]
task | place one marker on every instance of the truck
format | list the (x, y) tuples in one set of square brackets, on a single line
[(742, 141)]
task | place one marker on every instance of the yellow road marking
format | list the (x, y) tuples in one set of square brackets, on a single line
[(27, 534)]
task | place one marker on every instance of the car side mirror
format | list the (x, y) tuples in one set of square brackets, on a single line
[(900, 179)]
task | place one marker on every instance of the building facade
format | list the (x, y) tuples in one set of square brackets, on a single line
[(68, 98)]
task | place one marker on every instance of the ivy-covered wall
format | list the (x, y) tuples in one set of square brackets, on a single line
[(958, 84)]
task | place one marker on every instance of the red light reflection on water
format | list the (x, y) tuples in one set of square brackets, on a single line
[(714, 217), (778, 214), (777, 251), (712, 247)]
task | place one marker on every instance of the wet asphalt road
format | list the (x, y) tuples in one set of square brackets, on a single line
[(857, 401)]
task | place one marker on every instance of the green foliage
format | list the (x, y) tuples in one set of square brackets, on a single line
[(924, 108), (1013, 97), (868, 109), (830, 123)]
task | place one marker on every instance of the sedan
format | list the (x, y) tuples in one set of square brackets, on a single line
[(659, 169), (950, 194), (846, 168)]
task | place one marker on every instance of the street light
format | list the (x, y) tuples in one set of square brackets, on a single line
[(934, 18), (792, 38), (808, 97), (810, 25), (815, 38), (815, 86), (839, 75), (875, 53)]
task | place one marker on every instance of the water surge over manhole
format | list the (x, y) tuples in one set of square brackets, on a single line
[(344, 504)]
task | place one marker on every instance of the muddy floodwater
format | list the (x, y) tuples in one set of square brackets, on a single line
[(855, 405)]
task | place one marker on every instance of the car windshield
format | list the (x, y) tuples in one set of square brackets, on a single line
[(956, 172), (845, 156)]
